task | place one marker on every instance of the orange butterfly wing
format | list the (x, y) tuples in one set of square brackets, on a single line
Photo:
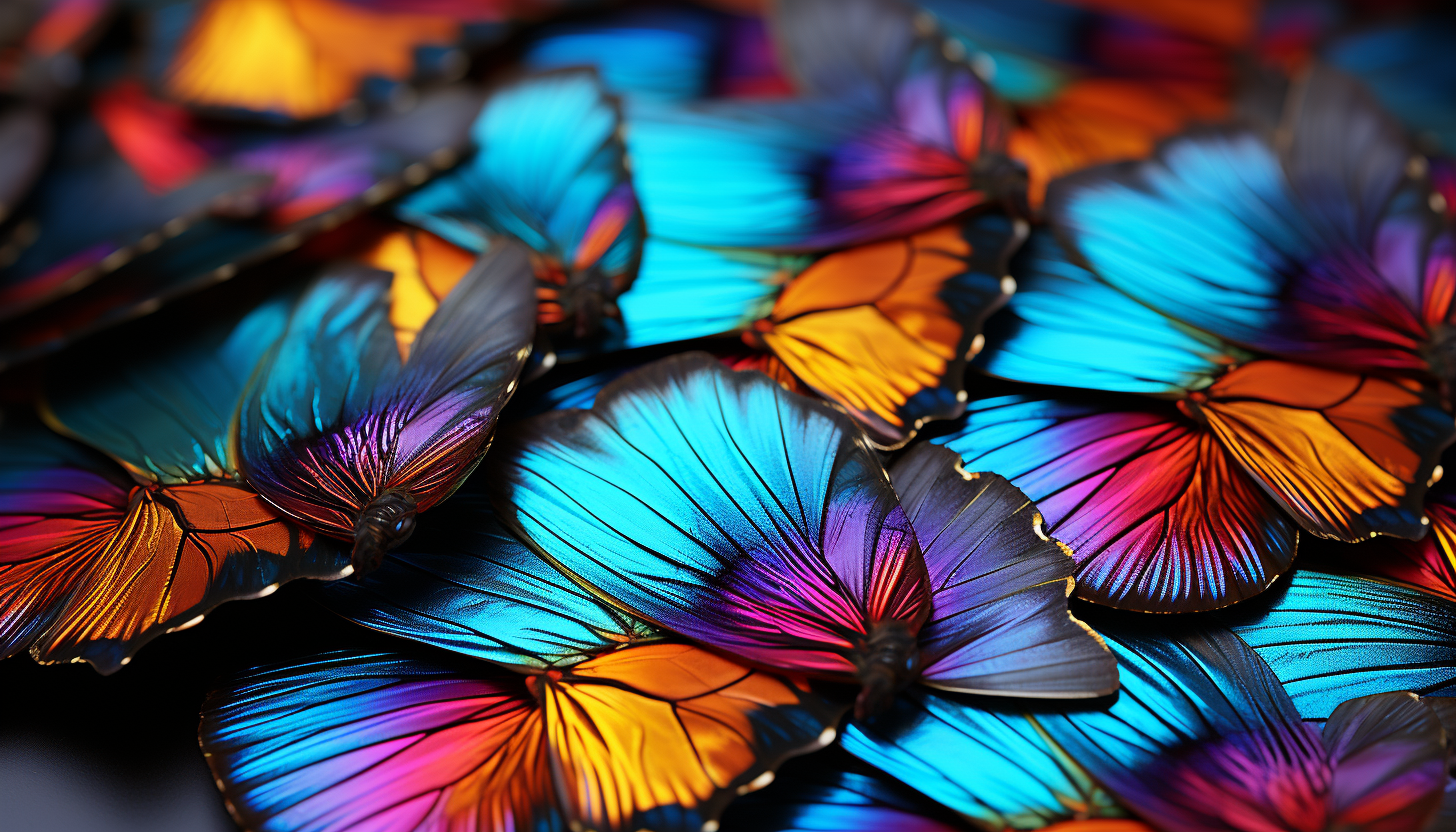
[(92, 567), (302, 58), (878, 329), (1349, 456), (645, 736), (1099, 120), (425, 269)]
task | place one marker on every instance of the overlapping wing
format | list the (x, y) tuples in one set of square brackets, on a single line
[(1158, 515), (722, 508), (885, 329), (999, 622)]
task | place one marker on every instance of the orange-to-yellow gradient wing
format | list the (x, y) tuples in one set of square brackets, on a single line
[(425, 269), (298, 58), (663, 736), (1349, 456), (885, 329), (93, 566)]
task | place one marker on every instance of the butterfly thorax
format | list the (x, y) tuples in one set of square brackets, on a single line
[(1440, 354), (886, 664), (1003, 180), (384, 524), (573, 300)]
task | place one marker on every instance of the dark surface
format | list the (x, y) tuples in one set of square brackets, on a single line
[(82, 752)]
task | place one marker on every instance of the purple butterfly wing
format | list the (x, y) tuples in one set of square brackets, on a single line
[(1390, 763), (999, 622)]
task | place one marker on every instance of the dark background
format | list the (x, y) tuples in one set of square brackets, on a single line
[(82, 752)]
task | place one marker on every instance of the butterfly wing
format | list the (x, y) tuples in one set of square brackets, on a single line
[(661, 54), (1348, 456), (384, 741), (549, 169), (684, 291), (999, 622), (95, 567), (833, 791), (885, 329), (337, 419), (93, 212), (1334, 637), (724, 509), (295, 59), (300, 183), (1000, 770), (937, 147), (167, 414), (663, 736), (1200, 732), (466, 584), (1428, 564), (1064, 327), (1158, 516), (657, 735), (1390, 762)]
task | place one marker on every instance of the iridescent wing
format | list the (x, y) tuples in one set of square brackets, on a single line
[(656, 736), (1348, 456), (725, 509), (897, 141), (1158, 515), (685, 291), (466, 584), (1203, 736), (1000, 770), (271, 190), (999, 622), (1390, 762), (1067, 328), (1098, 82), (343, 432), (885, 329), (1200, 730), (1428, 563), (1334, 637), (833, 791), (95, 566), (549, 169), (166, 412)]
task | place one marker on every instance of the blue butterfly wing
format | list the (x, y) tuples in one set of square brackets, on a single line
[(757, 162), (464, 583), (1205, 232), (167, 414), (724, 509), (1067, 328), (664, 54), (686, 291), (338, 404), (549, 169), (833, 792), (1330, 638), (1199, 729), (999, 769)]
